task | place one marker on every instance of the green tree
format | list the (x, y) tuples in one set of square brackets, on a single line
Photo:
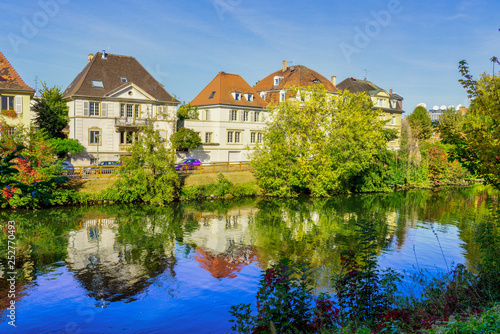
[(318, 143), (477, 146), (148, 174), (186, 111), (185, 139), (420, 123), (51, 111)]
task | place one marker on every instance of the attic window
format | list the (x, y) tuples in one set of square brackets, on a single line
[(315, 81), (236, 96), (212, 95), (277, 80), (97, 84), (249, 97), (123, 79), (263, 95)]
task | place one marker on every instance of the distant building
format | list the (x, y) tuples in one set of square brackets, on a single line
[(273, 87), (231, 119), (15, 97), (390, 103), (109, 101)]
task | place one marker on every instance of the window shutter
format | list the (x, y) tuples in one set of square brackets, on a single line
[(230, 115), (144, 110), (85, 108), (241, 116), (19, 104), (104, 109), (110, 109)]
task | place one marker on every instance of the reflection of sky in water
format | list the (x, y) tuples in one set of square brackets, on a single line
[(108, 284)]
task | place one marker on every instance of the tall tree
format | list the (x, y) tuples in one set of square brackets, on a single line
[(479, 142), (51, 111), (148, 174), (420, 123), (318, 144)]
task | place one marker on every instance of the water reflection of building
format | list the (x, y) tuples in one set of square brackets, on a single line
[(105, 267), (223, 242)]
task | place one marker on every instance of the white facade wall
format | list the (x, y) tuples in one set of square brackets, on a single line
[(217, 121), (110, 123)]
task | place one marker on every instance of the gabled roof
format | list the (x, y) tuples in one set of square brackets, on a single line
[(293, 76), (110, 70), (9, 79), (357, 86), (219, 90)]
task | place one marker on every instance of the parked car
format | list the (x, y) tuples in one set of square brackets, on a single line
[(67, 166), (188, 164), (103, 165)]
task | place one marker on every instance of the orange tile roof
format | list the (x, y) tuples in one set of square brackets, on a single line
[(219, 90), (9, 79), (293, 76)]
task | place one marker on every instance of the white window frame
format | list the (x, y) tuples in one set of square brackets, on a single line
[(92, 137), (97, 84), (256, 116), (245, 116), (208, 137), (233, 115), (94, 108)]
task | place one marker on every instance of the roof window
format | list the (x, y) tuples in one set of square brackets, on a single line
[(236, 96), (277, 80), (97, 84), (249, 97), (212, 95), (124, 79)]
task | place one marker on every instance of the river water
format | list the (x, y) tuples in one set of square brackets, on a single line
[(178, 269)]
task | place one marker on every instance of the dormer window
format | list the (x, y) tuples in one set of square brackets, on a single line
[(393, 104), (212, 95), (236, 96), (97, 84), (123, 79), (277, 80), (316, 81), (249, 97), (263, 95)]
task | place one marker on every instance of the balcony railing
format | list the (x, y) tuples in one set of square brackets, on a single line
[(130, 122)]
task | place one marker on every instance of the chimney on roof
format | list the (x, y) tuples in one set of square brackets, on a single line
[(334, 80), (284, 66), (390, 91), (90, 57)]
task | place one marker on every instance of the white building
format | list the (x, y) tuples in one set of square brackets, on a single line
[(231, 119), (108, 103)]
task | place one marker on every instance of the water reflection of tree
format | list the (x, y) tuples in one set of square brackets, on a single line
[(144, 246)]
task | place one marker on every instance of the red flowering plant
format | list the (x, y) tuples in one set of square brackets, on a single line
[(9, 113), (27, 174)]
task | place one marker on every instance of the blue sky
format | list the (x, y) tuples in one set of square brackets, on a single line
[(410, 46)]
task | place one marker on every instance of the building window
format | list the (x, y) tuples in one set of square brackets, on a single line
[(250, 97), (93, 161), (259, 137), (230, 136), (277, 80), (234, 115), (8, 102), (393, 104), (94, 109), (253, 137), (123, 79), (263, 95), (237, 137), (237, 96), (97, 84), (207, 115), (94, 137), (128, 110), (282, 96), (208, 137), (245, 116), (233, 137), (212, 95), (11, 130), (256, 116), (127, 137), (136, 111)]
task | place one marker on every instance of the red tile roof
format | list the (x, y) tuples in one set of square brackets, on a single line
[(219, 90), (9, 79), (110, 71), (293, 76)]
